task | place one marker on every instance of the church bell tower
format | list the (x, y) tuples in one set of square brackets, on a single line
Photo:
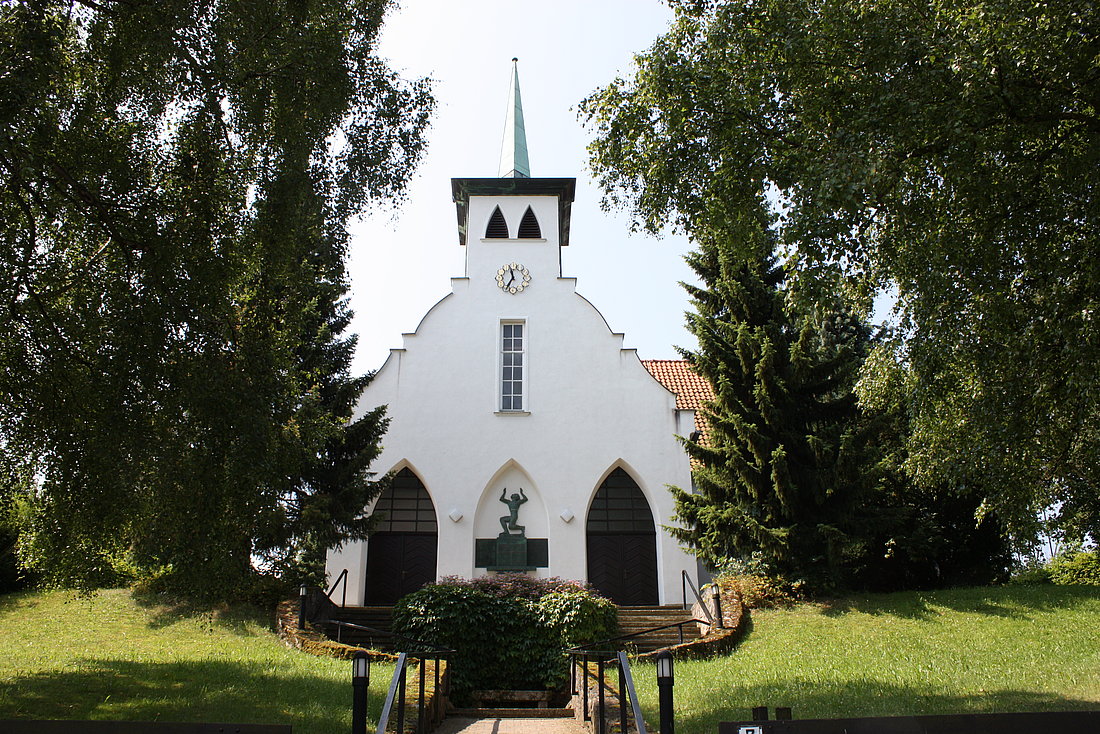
[(513, 227)]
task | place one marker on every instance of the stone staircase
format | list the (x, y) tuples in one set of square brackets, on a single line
[(380, 618), (638, 619), (631, 620)]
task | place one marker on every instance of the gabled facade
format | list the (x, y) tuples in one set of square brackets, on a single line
[(515, 382)]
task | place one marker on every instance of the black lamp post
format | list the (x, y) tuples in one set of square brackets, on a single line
[(716, 596), (360, 680), (664, 690), (303, 590)]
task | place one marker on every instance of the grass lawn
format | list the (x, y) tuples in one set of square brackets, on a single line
[(965, 650), (956, 651), (111, 657)]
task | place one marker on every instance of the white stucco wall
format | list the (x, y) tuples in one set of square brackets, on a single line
[(591, 406)]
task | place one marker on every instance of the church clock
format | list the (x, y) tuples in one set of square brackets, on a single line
[(513, 277)]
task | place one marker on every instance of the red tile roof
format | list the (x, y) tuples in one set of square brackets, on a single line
[(691, 389)]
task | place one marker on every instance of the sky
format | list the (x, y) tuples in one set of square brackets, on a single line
[(402, 260)]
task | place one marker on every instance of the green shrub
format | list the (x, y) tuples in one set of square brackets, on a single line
[(757, 583), (1031, 573), (759, 591), (1081, 567), (508, 631)]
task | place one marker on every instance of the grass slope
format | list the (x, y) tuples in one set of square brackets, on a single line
[(965, 650), (111, 657), (954, 651)]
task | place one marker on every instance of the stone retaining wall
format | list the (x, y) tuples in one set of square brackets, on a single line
[(715, 640), (313, 640)]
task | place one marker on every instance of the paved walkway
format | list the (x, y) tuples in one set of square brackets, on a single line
[(458, 725)]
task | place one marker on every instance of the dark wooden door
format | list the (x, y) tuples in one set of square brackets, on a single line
[(624, 567), (401, 553), (622, 542), (399, 564)]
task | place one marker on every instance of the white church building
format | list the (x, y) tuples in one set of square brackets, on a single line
[(523, 436)]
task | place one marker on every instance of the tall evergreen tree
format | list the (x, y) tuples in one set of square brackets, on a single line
[(781, 470), (792, 470)]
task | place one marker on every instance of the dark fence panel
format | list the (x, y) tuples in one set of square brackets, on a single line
[(1056, 722), (30, 726)]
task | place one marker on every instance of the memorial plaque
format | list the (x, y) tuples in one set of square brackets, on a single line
[(511, 552), (485, 554)]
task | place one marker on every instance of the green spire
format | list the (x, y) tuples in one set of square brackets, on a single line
[(513, 151)]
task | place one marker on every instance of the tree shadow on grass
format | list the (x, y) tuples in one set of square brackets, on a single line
[(19, 600), (208, 691), (810, 700), (1012, 602), (241, 619)]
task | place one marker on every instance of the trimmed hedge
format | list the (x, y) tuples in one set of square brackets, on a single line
[(508, 631)]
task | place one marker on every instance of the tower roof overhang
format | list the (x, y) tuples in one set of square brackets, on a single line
[(563, 188)]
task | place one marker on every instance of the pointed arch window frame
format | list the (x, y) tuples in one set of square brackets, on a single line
[(529, 228), (406, 506), (620, 505), (497, 223)]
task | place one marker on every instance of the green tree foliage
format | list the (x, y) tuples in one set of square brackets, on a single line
[(13, 490), (1076, 567), (175, 180), (793, 473), (508, 631), (947, 150), (782, 472), (924, 536)]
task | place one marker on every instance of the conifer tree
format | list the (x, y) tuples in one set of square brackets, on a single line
[(780, 472)]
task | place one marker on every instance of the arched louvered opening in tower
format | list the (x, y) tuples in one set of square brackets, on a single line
[(529, 226), (498, 228)]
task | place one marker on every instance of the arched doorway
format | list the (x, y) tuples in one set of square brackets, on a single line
[(401, 553), (622, 542)]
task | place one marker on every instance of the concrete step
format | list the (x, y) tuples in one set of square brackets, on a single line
[(517, 713), (688, 631), (631, 620), (639, 619), (377, 617)]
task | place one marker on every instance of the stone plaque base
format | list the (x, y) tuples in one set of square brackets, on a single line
[(511, 552)]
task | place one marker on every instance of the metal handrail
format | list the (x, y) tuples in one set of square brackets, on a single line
[(685, 582), (432, 649), (343, 577), (398, 678), (632, 695), (591, 648), (396, 693), (626, 687)]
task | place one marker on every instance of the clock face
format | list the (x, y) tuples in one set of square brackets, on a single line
[(513, 277)]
